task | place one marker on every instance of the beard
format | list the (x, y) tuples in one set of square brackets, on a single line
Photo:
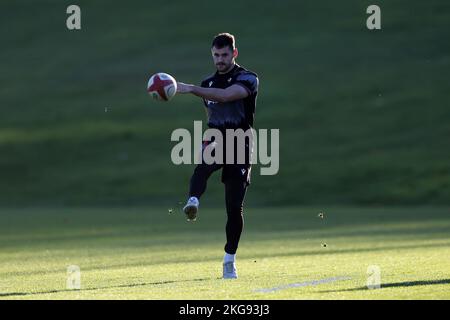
[(223, 67)]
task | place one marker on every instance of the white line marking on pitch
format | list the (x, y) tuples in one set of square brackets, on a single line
[(303, 284)]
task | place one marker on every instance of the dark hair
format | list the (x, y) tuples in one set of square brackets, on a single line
[(223, 40)]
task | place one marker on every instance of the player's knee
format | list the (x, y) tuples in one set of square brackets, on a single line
[(199, 172)]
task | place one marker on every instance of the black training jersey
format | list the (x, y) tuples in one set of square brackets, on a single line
[(234, 114)]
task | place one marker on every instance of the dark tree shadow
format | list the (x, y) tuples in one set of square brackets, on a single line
[(12, 294), (315, 252), (397, 285)]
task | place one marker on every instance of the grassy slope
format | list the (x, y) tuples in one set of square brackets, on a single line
[(363, 115), (146, 253)]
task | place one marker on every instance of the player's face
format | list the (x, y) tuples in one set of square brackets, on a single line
[(223, 58)]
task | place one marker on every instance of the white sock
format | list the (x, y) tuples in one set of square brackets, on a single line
[(229, 257)]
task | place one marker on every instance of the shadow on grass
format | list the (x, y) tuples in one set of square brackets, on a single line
[(298, 253), (397, 285), (12, 294), (17, 240)]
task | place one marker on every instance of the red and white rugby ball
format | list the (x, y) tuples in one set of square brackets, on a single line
[(162, 86)]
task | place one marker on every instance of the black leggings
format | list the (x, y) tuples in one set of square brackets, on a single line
[(235, 190)]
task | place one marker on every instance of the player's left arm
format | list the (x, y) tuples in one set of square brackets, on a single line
[(232, 93)]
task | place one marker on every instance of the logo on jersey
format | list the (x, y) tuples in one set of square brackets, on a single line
[(208, 102)]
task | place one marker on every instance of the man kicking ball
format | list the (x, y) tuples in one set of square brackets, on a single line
[(229, 96)]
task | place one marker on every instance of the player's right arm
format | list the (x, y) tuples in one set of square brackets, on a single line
[(232, 93)]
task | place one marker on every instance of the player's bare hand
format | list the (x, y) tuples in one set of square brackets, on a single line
[(183, 87)]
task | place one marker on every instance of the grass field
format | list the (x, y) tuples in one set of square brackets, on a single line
[(364, 125), (147, 253)]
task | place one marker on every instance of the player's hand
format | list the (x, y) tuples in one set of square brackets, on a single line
[(183, 87)]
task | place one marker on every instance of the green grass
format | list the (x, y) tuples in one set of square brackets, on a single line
[(362, 115), (147, 253)]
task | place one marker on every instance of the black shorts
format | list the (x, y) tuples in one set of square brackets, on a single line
[(236, 172), (233, 171)]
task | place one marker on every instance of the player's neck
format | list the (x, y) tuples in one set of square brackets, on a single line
[(229, 69)]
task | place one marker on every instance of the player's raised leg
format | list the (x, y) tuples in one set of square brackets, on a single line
[(197, 187)]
